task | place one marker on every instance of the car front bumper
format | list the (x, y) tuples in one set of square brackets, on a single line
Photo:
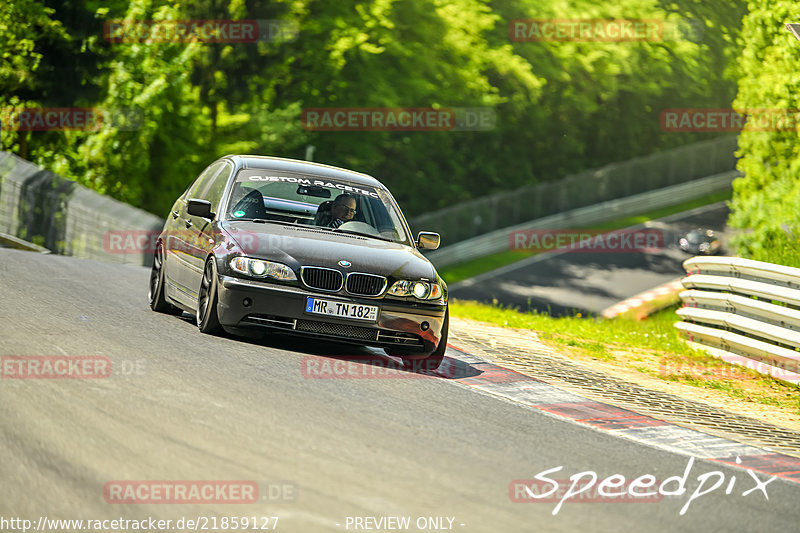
[(407, 326)]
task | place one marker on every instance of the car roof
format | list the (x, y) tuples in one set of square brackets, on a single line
[(303, 167)]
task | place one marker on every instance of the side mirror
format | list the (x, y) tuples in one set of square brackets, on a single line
[(200, 208), (427, 240)]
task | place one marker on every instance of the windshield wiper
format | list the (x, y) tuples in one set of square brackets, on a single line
[(365, 235), (265, 221)]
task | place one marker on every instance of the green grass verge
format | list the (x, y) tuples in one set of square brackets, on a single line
[(469, 269), (627, 342), (656, 333)]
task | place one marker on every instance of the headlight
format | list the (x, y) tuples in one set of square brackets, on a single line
[(422, 290), (259, 268), (262, 269)]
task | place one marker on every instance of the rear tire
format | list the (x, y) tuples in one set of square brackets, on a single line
[(155, 295), (207, 318), (435, 359)]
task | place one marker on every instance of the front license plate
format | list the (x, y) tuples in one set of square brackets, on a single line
[(317, 306)]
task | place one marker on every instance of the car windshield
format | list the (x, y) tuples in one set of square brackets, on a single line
[(300, 199)]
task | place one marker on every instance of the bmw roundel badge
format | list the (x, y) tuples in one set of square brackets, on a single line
[(344, 263)]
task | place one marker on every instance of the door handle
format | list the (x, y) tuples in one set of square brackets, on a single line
[(188, 223), (175, 214)]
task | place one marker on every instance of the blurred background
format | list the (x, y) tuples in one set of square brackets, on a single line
[(558, 106)]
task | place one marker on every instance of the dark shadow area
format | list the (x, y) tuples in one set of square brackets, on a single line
[(328, 359), (42, 209)]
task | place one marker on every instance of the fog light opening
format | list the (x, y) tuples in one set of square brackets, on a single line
[(424, 326), (247, 302)]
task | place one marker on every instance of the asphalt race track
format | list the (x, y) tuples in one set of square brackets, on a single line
[(180, 405), (563, 283)]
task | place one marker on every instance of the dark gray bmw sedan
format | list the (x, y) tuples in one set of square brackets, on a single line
[(263, 243)]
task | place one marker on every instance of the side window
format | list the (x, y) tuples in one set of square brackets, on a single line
[(216, 187), (238, 191), (201, 183)]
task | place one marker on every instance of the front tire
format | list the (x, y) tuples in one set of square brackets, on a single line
[(155, 295), (207, 318)]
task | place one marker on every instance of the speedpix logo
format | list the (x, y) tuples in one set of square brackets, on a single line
[(544, 489)]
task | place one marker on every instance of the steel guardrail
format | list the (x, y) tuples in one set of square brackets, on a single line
[(547, 197), (736, 307), (497, 241)]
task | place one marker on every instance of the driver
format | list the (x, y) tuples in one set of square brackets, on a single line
[(343, 210)]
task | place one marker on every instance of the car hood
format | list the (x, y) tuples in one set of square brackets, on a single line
[(308, 246)]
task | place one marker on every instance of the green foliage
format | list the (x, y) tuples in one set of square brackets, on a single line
[(560, 106), (24, 25), (150, 160), (766, 202)]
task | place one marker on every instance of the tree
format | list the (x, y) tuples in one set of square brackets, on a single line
[(24, 26), (766, 201)]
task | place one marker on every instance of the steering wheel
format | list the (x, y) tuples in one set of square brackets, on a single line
[(359, 227)]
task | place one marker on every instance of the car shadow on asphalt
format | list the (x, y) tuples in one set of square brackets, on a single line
[(326, 359)]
